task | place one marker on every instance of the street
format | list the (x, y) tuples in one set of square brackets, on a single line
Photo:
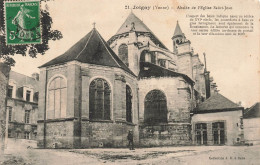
[(238, 155)]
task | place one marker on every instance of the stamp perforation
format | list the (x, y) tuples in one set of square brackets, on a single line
[(39, 15)]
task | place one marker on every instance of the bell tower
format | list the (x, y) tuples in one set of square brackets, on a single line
[(182, 48)]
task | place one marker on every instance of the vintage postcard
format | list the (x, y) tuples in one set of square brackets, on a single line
[(129, 82)]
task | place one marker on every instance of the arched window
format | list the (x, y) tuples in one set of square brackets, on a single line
[(99, 100), (129, 97), (57, 98), (147, 56), (155, 108), (123, 53)]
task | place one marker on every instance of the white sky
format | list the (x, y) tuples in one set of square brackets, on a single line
[(232, 60)]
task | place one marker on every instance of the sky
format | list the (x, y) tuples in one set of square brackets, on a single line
[(233, 61)]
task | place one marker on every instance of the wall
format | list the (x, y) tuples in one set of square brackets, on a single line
[(77, 124), (17, 125), (231, 119), (4, 74), (106, 134), (178, 99), (252, 130), (185, 64), (177, 131), (111, 133)]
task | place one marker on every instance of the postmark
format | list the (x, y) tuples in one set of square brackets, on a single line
[(22, 22)]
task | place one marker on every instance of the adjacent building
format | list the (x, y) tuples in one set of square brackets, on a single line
[(217, 121), (22, 105), (252, 124)]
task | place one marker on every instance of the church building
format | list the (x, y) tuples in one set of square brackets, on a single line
[(97, 91)]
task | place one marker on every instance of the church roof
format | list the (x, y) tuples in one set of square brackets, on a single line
[(253, 112), (177, 30), (217, 102), (158, 71), (139, 26), (91, 49)]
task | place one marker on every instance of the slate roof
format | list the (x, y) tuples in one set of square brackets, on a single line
[(91, 49), (177, 30), (253, 112), (22, 80), (217, 102), (158, 71), (139, 27)]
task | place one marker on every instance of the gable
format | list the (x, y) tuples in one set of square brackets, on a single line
[(91, 49)]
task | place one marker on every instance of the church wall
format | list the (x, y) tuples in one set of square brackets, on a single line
[(184, 48), (185, 64), (108, 133), (134, 52), (198, 75), (177, 131), (60, 134)]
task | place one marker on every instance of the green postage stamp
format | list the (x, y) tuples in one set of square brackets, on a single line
[(22, 22)]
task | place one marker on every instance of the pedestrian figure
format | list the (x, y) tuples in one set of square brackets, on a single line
[(130, 139)]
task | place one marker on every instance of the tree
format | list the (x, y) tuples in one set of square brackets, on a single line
[(7, 51)]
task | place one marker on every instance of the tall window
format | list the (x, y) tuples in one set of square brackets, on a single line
[(155, 108), (28, 95), (27, 116), (10, 91), (147, 56), (99, 100), (123, 53), (128, 104), (27, 135), (218, 132), (10, 113), (57, 98), (201, 133)]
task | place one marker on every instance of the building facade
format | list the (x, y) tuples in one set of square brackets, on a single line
[(251, 124), (22, 105), (97, 91), (217, 121), (4, 76)]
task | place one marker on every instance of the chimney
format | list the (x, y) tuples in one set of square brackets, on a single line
[(35, 76)]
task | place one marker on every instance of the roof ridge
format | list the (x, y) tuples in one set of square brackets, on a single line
[(250, 108), (85, 45), (24, 75), (107, 49), (230, 100)]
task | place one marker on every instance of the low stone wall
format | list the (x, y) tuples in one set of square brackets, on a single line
[(165, 135), (58, 134), (102, 134), (105, 134)]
